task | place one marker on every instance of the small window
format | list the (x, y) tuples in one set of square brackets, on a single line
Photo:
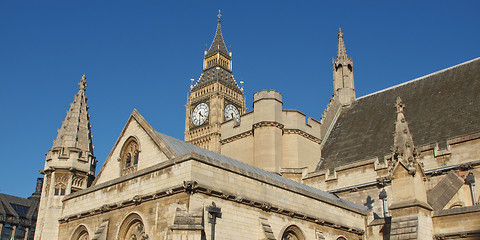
[(129, 156), (60, 189), (19, 233), (7, 231)]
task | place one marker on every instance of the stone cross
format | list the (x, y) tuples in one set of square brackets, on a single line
[(215, 212)]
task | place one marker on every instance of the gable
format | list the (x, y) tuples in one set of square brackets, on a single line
[(439, 107), (152, 149)]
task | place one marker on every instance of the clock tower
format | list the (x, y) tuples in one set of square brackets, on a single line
[(214, 98)]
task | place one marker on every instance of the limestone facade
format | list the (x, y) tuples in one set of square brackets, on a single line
[(397, 164)]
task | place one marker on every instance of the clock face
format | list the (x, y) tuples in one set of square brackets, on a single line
[(231, 112), (200, 114)]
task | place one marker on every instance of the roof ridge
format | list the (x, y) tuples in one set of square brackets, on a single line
[(419, 78)]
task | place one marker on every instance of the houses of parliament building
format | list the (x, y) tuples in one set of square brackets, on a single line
[(400, 163)]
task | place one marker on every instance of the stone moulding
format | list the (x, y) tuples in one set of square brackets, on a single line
[(465, 234), (303, 134), (285, 131), (236, 137), (216, 164), (193, 187), (267, 124)]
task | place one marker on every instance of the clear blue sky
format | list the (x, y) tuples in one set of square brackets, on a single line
[(141, 54)]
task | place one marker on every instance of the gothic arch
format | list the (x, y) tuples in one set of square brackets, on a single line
[(80, 233), (129, 155), (132, 228), (292, 232)]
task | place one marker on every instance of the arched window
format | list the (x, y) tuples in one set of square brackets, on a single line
[(132, 228), (129, 156), (341, 238), (293, 233), (60, 189), (81, 233)]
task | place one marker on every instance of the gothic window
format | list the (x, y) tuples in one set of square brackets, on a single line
[(130, 156), (293, 233), (81, 233), (132, 228), (60, 189)]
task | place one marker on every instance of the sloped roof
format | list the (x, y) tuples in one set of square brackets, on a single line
[(18, 207), (218, 45), (182, 148), (217, 74), (438, 107)]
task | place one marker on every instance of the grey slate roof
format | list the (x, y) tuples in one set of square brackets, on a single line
[(218, 45), (439, 106), (18, 207), (217, 74), (181, 148)]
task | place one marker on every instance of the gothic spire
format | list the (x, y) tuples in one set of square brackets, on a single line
[(75, 131), (404, 150), (341, 51), (218, 44)]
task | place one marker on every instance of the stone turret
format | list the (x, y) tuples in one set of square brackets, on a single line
[(69, 165), (272, 138)]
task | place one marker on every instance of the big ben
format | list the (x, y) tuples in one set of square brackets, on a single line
[(214, 98)]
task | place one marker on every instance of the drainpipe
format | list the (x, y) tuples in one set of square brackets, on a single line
[(470, 180)]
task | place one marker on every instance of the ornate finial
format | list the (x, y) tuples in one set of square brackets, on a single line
[(191, 83), (399, 105), (219, 16), (340, 33), (83, 82)]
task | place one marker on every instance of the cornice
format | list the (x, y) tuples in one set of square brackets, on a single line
[(267, 124), (193, 187), (236, 137), (303, 134)]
